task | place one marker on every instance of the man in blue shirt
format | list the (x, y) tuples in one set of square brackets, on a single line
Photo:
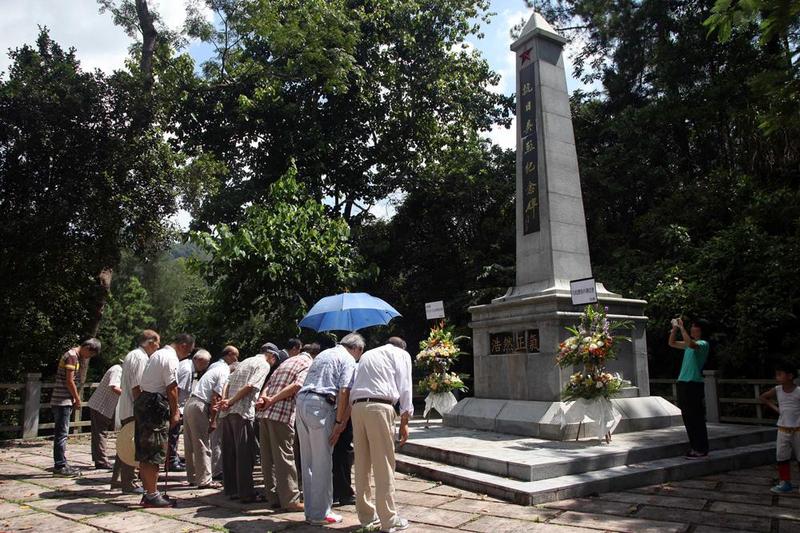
[(691, 388), (323, 408)]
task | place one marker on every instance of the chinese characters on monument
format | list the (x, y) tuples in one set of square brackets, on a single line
[(514, 342), (528, 145)]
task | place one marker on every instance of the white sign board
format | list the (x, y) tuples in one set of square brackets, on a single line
[(583, 291), (434, 310)]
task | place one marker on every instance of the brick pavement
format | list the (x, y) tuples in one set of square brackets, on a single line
[(32, 500)]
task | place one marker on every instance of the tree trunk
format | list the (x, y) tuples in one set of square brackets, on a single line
[(103, 291), (149, 37)]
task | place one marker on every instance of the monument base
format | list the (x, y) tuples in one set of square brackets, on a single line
[(541, 420)]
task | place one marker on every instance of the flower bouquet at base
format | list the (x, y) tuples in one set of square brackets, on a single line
[(437, 354), (591, 346), (590, 386)]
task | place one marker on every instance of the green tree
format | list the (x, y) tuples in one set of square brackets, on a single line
[(266, 272), (77, 184), (778, 23), (361, 94), (127, 313)]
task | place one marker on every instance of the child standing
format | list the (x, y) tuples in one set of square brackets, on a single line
[(788, 408)]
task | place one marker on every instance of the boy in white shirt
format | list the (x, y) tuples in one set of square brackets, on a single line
[(788, 409)]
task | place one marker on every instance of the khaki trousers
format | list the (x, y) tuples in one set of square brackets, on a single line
[(277, 462), (196, 442), (373, 440), (101, 426)]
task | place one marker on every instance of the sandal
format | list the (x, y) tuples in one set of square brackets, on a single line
[(212, 485)]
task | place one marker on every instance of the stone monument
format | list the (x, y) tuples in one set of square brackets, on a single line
[(517, 383)]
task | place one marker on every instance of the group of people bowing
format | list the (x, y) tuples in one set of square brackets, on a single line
[(299, 408)]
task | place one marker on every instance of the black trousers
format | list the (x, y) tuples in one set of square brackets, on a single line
[(238, 456), (343, 465), (690, 401)]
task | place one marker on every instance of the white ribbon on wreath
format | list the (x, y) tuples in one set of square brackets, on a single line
[(442, 402)]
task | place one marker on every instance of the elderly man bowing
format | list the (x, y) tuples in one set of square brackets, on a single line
[(132, 369), (322, 410), (238, 409), (382, 378), (276, 408), (200, 420), (156, 411)]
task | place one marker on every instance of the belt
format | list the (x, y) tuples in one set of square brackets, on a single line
[(321, 395), (198, 398), (373, 400)]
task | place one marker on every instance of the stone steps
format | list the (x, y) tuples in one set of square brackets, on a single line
[(660, 444), (614, 478)]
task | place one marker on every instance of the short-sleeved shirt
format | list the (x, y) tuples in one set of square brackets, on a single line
[(213, 381), (61, 394), (789, 407), (384, 373), (132, 370), (291, 371), (104, 399), (161, 371), (694, 359), (331, 370), (185, 378), (253, 372)]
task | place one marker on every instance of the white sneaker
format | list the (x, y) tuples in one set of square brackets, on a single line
[(399, 525), (332, 518)]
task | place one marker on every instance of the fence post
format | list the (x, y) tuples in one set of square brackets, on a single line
[(33, 400), (712, 396)]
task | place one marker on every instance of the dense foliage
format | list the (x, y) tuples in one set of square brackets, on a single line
[(268, 271), (78, 183)]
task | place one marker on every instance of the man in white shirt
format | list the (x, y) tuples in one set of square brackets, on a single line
[(382, 378), (229, 358), (102, 406), (156, 410), (132, 369), (199, 420), (186, 371)]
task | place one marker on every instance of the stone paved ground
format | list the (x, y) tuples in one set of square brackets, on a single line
[(32, 500)]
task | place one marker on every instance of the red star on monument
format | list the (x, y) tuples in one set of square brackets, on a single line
[(526, 56)]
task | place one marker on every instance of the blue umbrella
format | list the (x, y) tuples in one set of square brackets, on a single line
[(348, 312)]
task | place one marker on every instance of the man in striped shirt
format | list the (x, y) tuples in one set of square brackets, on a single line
[(65, 398), (276, 413), (103, 405)]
